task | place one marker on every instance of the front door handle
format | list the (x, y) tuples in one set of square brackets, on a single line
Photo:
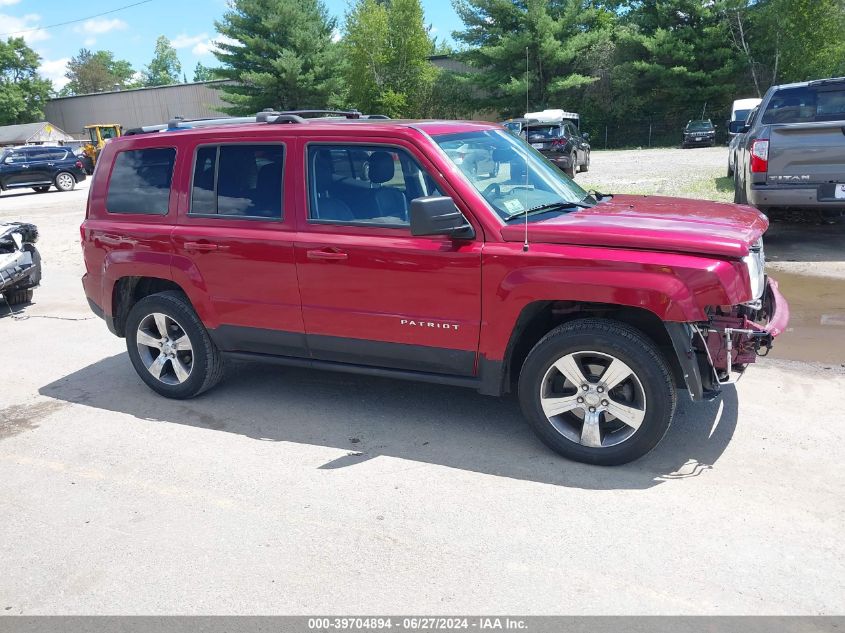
[(204, 247), (326, 255)]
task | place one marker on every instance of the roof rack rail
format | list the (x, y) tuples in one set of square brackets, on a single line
[(268, 115)]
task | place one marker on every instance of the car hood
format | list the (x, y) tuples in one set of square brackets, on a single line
[(652, 223)]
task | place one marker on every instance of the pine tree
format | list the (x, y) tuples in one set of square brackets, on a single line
[(280, 53)]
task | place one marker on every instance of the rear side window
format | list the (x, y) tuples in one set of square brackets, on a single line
[(140, 181), (238, 180), (806, 104)]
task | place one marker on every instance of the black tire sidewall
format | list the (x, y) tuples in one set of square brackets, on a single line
[(640, 356), (176, 306)]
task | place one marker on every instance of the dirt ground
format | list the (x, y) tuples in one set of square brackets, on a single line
[(299, 491)]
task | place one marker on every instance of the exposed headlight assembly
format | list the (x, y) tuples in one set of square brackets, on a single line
[(755, 261)]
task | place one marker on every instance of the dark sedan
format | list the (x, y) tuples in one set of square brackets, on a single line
[(39, 167), (562, 144)]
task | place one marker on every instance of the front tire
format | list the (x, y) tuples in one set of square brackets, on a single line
[(64, 181), (170, 348), (597, 391), (586, 166)]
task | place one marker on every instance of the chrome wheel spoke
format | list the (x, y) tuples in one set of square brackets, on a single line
[(148, 340), (182, 344), (161, 324), (590, 431), (568, 366), (626, 414), (616, 372), (157, 366), (179, 369), (556, 406)]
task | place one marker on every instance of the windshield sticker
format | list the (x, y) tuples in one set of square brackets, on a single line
[(512, 205)]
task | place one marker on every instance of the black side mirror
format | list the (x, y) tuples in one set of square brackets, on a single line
[(438, 215), (737, 127)]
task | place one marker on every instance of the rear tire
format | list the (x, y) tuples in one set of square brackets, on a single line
[(739, 189), (64, 181), (570, 169), (196, 364), (623, 372)]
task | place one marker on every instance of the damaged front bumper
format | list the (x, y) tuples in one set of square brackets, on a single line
[(733, 339), (717, 351)]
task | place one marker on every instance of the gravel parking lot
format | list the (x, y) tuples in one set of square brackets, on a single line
[(299, 491)]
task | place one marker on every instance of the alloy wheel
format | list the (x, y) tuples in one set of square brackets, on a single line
[(593, 399), (65, 182), (165, 348)]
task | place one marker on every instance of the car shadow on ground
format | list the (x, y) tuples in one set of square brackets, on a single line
[(369, 417)]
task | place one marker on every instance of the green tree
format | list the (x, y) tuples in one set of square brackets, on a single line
[(165, 68), (22, 91), (550, 38), (387, 48), (281, 55), (96, 72), (204, 73)]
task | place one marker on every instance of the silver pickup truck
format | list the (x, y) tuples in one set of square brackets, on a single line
[(792, 152)]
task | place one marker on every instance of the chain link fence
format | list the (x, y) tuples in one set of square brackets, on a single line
[(643, 133)]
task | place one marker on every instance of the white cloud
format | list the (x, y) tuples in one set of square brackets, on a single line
[(25, 26), (54, 70), (209, 46), (99, 26), (183, 40), (90, 41), (336, 35), (8, 3)]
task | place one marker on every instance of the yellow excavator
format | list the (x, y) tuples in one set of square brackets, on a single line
[(98, 134)]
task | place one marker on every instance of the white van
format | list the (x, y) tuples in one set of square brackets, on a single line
[(740, 111)]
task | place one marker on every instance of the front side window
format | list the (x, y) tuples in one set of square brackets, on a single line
[(238, 180), (140, 181), (521, 181), (364, 184)]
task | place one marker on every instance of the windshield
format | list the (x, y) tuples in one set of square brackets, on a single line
[(806, 104), (741, 115), (699, 126), (512, 177)]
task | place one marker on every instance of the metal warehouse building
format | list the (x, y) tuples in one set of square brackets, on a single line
[(136, 107)]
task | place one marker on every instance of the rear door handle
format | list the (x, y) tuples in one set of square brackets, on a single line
[(326, 254), (204, 247)]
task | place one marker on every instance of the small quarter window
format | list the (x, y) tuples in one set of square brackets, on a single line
[(140, 181), (238, 180)]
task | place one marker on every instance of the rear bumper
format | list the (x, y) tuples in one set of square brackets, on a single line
[(561, 160), (816, 197)]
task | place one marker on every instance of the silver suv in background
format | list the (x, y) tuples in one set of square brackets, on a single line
[(792, 152)]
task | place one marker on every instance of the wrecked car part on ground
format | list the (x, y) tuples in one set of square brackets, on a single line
[(20, 263)]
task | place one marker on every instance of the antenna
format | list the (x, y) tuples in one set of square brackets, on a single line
[(527, 109), (527, 81)]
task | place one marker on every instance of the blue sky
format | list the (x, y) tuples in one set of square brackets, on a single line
[(131, 33)]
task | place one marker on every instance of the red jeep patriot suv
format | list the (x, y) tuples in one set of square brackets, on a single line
[(363, 246)]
